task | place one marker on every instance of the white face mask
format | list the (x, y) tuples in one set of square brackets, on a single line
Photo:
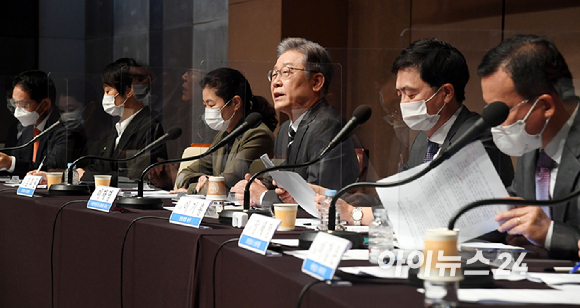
[(140, 90), (213, 118), (416, 116), (27, 118), (73, 116), (513, 139), (110, 107)]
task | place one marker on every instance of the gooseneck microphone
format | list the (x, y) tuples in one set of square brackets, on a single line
[(33, 140), (253, 120), (360, 115), (70, 189), (493, 114)]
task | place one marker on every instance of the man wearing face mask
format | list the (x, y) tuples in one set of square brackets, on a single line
[(431, 79), (135, 129), (33, 98), (530, 75)]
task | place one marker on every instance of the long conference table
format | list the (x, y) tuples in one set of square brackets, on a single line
[(164, 265)]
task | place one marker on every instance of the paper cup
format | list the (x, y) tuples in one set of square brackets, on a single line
[(216, 189), (53, 178), (104, 180), (286, 212), (444, 241)]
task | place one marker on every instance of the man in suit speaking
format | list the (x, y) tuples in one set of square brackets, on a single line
[(299, 83)]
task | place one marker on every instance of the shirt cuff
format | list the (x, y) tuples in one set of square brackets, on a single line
[(548, 242), (262, 197), (13, 165)]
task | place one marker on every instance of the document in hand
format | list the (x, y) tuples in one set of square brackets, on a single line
[(430, 201), (295, 185)]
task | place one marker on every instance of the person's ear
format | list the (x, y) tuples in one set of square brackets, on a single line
[(317, 82), (237, 101), (549, 105), (448, 92)]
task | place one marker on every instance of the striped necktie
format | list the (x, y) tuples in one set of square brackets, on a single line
[(543, 170), (432, 149)]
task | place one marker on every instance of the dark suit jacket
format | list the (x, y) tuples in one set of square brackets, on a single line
[(60, 147), (318, 127), (465, 120), (244, 150), (566, 217), (140, 132)]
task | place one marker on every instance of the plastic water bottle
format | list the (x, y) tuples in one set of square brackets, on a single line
[(380, 235), (75, 175), (324, 207)]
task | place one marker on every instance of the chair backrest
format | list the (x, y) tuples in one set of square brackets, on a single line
[(194, 149)]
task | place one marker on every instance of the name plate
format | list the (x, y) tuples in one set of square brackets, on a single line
[(324, 256), (189, 211), (258, 233), (102, 198), (28, 185)]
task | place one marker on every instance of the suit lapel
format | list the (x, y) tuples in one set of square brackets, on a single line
[(43, 142), (568, 171), (217, 160), (132, 129), (463, 115)]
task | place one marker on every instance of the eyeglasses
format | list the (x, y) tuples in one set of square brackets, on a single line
[(284, 72), (21, 104)]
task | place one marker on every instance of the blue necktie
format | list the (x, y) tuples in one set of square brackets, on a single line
[(432, 149)]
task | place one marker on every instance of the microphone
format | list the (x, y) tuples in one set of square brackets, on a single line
[(33, 140), (253, 120), (70, 189), (493, 114), (360, 115)]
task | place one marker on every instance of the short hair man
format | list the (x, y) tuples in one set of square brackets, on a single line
[(299, 84), (431, 79), (33, 97), (530, 75)]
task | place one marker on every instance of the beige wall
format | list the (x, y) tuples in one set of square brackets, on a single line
[(365, 37)]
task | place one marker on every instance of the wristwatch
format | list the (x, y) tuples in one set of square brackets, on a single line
[(357, 215)]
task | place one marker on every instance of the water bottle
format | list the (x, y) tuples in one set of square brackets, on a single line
[(75, 175), (324, 207), (380, 235)]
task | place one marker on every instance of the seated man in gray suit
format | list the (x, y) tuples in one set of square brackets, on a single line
[(299, 83), (431, 79), (530, 75)]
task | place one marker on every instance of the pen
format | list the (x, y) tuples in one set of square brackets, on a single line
[(576, 267), (40, 166)]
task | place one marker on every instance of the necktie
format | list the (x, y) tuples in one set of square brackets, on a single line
[(543, 169), (291, 134), (432, 149), (36, 132)]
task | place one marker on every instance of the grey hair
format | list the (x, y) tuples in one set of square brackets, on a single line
[(316, 58)]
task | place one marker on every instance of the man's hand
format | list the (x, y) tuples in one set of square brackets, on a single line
[(529, 221), (201, 183), (256, 190), (5, 161), (41, 173), (178, 191), (284, 195), (163, 176)]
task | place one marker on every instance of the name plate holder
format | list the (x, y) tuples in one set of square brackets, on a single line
[(28, 185), (258, 233), (103, 198), (324, 256), (189, 211)]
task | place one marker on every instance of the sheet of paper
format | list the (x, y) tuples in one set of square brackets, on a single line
[(377, 271), (554, 278), (489, 246), (162, 194), (522, 296), (433, 199), (293, 242), (295, 185)]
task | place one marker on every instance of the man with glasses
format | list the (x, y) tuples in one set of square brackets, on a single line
[(299, 83), (33, 98), (530, 75)]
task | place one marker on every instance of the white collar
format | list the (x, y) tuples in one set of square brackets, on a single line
[(296, 123), (440, 134), (555, 147), (121, 126)]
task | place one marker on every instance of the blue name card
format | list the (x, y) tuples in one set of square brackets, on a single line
[(189, 211), (324, 255), (102, 198), (258, 233), (28, 185)]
